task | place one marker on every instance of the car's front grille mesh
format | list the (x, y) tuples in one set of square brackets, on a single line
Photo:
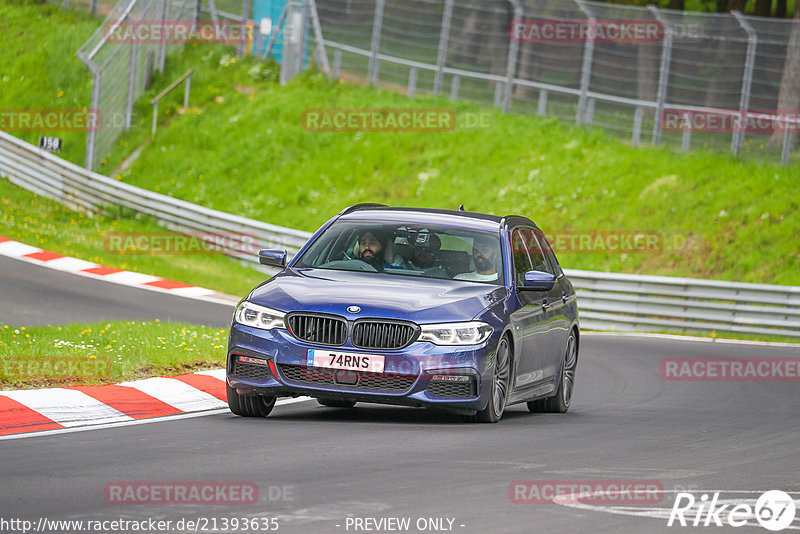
[(382, 335), (441, 388), (320, 329), (377, 382), (250, 371)]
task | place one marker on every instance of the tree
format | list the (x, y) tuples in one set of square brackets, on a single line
[(763, 8)]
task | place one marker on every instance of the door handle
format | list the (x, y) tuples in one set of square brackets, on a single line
[(564, 298), (545, 304)]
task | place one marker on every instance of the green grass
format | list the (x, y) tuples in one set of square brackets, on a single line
[(44, 223), (244, 151), (240, 148), (39, 69), (101, 353)]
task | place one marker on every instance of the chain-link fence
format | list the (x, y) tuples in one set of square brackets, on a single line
[(132, 43), (689, 80), (684, 79)]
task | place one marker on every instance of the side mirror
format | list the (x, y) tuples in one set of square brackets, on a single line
[(538, 281), (272, 258)]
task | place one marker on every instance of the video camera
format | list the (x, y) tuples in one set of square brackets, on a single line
[(406, 238)]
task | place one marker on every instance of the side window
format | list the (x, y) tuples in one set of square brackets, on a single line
[(522, 261), (537, 254), (549, 254)]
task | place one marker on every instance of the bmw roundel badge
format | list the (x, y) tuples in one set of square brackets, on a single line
[(353, 309)]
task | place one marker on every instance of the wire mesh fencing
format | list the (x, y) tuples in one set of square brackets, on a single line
[(133, 42), (650, 76)]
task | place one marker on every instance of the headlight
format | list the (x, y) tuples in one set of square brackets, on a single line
[(250, 314), (472, 333)]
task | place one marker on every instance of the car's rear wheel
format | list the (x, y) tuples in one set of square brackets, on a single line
[(501, 378), (336, 403), (559, 403), (249, 405)]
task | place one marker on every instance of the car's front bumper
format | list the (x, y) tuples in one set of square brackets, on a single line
[(418, 375)]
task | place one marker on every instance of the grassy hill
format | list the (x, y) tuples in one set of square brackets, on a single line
[(241, 148)]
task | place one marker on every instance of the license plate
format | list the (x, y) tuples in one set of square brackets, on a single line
[(371, 363)]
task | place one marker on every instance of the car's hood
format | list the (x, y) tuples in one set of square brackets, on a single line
[(422, 300)]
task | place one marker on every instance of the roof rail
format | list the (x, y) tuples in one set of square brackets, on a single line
[(356, 207)]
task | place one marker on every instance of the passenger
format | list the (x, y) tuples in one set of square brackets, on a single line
[(424, 256), (485, 256)]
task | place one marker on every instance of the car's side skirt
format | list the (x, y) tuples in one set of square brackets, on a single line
[(542, 391)]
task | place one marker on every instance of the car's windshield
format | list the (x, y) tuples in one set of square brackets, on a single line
[(404, 249)]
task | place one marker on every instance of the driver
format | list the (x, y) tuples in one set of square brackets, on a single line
[(424, 257), (371, 247), (484, 254)]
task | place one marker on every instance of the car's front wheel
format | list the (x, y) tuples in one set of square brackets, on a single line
[(249, 405), (559, 403), (501, 378)]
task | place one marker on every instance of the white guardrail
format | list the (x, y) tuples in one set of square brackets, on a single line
[(607, 301)]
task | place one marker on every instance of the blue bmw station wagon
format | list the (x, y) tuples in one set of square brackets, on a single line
[(418, 307)]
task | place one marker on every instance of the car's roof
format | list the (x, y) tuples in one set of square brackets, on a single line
[(462, 219), (456, 218)]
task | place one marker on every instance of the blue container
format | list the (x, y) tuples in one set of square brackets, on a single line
[(272, 9)]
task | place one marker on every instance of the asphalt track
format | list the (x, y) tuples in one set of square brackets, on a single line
[(626, 423), (35, 295)]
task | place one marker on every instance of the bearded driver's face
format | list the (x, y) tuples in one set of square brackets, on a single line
[(369, 247), (481, 255)]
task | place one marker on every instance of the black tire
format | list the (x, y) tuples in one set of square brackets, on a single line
[(336, 403), (560, 402), (249, 406), (501, 380)]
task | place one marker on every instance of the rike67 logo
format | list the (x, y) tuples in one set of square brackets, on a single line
[(774, 510)]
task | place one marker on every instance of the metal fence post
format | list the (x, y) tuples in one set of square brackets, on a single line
[(541, 105), (242, 28), (663, 76), (513, 54), (412, 82), (293, 41), (162, 53), (131, 82), (92, 133), (455, 84), (94, 8), (737, 139), (186, 92), (637, 126), (787, 146), (197, 11), (444, 38), (377, 26), (589, 119), (337, 63), (588, 59), (686, 138)]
